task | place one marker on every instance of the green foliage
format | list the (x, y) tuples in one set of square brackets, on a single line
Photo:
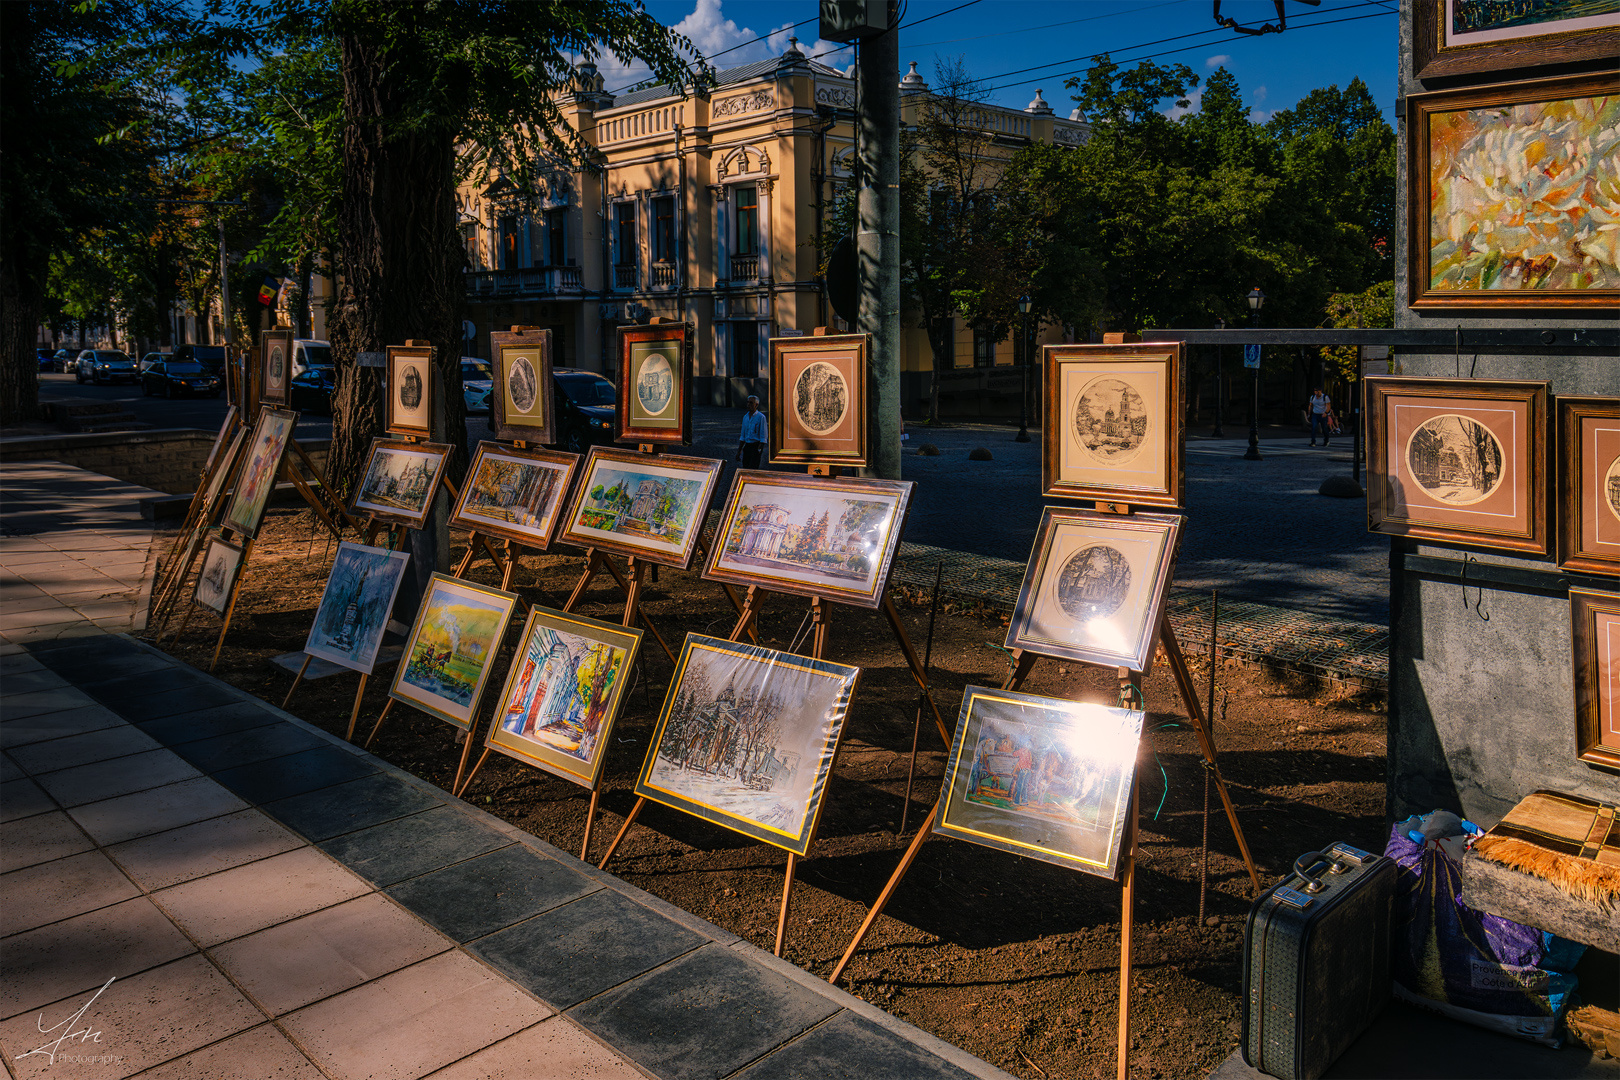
[(1374, 307)]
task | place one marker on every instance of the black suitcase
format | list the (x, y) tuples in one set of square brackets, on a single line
[(1316, 961)]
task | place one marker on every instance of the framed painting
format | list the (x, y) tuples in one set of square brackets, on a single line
[(1114, 423), (1095, 586), (521, 402), (817, 408), (452, 648), (1589, 484), (1042, 777), (400, 481), (260, 468), (655, 384), (1464, 37), (1507, 206), (1461, 461), (221, 565), (411, 391), (275, 366), (353, 613), (226, 428), (641, 506), (221, 474), (514, 494), (1595, 623), (746, 739), (562, 694), (832, 538)]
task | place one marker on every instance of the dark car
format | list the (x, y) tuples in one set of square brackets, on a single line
[(179, 378), (211, 357), (106, 366), (312, 391), (46, 359), (584, 409), (64, 359)]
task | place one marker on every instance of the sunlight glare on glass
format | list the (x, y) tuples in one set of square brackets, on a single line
[(1107, 633), (1104, 735)]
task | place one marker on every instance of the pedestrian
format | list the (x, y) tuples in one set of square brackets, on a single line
[(1321, 408), (751, 442)]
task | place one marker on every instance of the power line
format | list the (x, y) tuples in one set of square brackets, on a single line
[(937, 14), (734, 48), (1046, 26)]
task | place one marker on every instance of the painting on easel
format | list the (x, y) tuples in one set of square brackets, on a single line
[(1117, 432), (522, 402), (640, 506), (258, 477), (221, 564), (1042, 777), (275, 370), (818, 399), (410, 391), (360, 592), (400, 481), (746, 739), (514, 494), (452, 648), (654, 403), (562, 694)]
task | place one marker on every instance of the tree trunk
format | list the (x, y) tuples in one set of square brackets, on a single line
[(19, 322), (21, 263), (943, 346)]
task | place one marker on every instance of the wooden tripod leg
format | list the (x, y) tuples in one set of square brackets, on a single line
[(230, 608), (1195, 712), (591, 566), (731, 594), (916, 666), (297, 679), (787, 894), (590, 820), (818, 628), (888, 890), (511, 566), (354, 713), (911, 770), (466, 752), (466, 560), (388, 708), (632, 606), (1126, 920), (1023, 664), (748, 612), (629, 821), (467, 783)]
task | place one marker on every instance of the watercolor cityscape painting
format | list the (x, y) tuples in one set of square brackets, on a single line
[(447, 659), (514, 494), (359, 596), (631, 505)]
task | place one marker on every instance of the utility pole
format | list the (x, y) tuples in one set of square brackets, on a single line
[(878, 242)]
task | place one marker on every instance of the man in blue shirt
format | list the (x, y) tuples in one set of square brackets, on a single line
[(751, 443)]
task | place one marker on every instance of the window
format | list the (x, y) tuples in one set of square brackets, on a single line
[(745, 350), (747, 198), (625, 215), (984, 348), (509, 230), (663, 228), (557, 236), (469, 240)]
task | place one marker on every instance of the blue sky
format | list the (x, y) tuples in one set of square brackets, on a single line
[(999, 39)]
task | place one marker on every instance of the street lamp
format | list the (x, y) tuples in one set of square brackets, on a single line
[(1257, 300), (1023, 393)]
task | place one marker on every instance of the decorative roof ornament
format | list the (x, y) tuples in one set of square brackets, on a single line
[(1039, 106), (913, 83)]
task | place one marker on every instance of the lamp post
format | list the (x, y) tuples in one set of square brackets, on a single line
[(1023, 393), (1218, 433), (1257, 300)]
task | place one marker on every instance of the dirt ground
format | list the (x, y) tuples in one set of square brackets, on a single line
[(1011, 959)]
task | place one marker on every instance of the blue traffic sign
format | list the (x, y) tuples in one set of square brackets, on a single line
[(1251, 356)]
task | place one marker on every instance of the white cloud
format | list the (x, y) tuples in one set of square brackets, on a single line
[(1260, 116), (1195, 101), (1216, 61), (712, 33), (1259, 95)]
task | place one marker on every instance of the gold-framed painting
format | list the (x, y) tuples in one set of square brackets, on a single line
[(832, 537), (817, 408), (1595, 628), (747, 737), (1508, 201), (1467, 37), (399, 482), (641, 506), (521, 401), (1095, 586), (1589, 484), (216, 581), (1459, 461), (275, 365), (410, 391), (654, 402), (1042, 777), (452, 648), (355, 605), (262, 464), (516, 495), (563, 693), (1113, 428)]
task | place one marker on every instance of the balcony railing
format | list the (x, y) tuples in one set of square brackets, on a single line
[(528, 282), (745, 268), (624, 277), (663, 275)]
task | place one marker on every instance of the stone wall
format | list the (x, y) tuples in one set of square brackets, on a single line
[(168, 460)]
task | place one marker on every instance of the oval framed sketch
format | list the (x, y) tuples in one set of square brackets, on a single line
[(515, 494), (410, 391), (275, 366), (521, 400), (640, 505), (1114, 423), (1595, 627), (1460, 461), (654, 402), (817, 408), (1589, 484)]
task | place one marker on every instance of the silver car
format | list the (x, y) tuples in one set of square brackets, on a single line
[(106, 365)]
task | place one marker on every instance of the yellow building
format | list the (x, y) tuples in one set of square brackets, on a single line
[(705, 209)]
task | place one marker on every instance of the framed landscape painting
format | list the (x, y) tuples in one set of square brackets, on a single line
[(275, 359), (817, 408), (1589, 484), (353, 614), (746, 739), (1509, 203), (1458, 37), (400, 481), (1042, 777), (1113, 429), (221, 564), (655, 384), (1095, 586), (262, 465), (641, 506), (1460, 461), (563, 693), (410, 391), (452, 648), (521, 402), (1595, 619), (515, 494)]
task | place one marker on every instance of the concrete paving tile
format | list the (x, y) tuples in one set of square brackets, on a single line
[(17, 664), (282, 777), (705, 1015), (848, 1047), (209, 723), (261, 1053), (158, 810), (391, 852), (116, 691), (589, 946), (81, 953), (26, 682), (90, 664), (38, 839), (57, 890), (358, 804), (40, 554), (62, 698), (246, 747), (59, 725), (289, 966), (413, 1021), (170, 702), (553, 1049), (11, 648), (72, 629), (103, 611), (144, 1020), (108, 779), (206, 847), (23, 798), (53, 755), (9, 770), (249, 898), (29, 620), (482, 895)]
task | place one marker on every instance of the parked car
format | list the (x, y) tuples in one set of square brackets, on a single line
[(311, 392), (46, 359), (584, 409), (180, 378), (64, 359), (211, 357), (309, 353), (106, 365), (149, 359), (476, 384)]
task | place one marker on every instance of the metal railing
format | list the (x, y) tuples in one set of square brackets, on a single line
[(529, 281)]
